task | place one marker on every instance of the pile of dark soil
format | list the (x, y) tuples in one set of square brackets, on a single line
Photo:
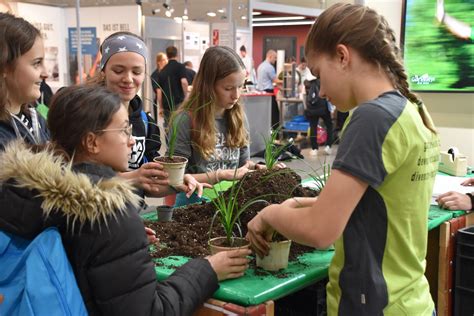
[(188, 233)]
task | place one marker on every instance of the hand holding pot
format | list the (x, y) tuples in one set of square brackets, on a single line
[(259, 234), (149, 176), (230, 264)]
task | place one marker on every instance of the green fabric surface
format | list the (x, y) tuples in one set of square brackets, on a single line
[(254, 289)]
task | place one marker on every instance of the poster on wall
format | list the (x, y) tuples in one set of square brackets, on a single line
[(223, 34), (204, 45), (191, 40), (215, 37), (50, 51), (51, 62), (90, 52), (50, 22)]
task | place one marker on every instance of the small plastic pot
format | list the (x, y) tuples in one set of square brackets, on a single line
[(164, 212), (277, 258), (218, 244)]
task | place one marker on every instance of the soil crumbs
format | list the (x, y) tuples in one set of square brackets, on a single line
[(188, 233)]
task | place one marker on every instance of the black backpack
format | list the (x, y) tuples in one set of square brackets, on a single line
[(315, 106)]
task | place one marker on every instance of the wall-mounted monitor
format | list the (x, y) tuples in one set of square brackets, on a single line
[(438, 44)]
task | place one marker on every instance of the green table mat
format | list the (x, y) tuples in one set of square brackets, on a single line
[(252, 289)]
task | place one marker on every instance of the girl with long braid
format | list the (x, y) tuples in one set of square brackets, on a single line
[(374, 206)]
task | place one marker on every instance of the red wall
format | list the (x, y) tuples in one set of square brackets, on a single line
[(300, 31)]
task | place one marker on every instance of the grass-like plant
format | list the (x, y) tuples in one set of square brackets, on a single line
[(272, 150), (228, 210)]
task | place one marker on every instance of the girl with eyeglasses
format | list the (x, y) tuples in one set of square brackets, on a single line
[(96, 211)]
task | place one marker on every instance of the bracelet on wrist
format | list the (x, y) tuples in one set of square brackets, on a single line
[(217, 175)]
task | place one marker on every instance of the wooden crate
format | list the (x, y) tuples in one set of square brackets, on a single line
[(447, 253), (215, 307)]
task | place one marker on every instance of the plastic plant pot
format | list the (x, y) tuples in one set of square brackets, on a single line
[(165, 213), (175, 168), (277, 257)]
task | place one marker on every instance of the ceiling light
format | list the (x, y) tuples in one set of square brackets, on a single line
[(243, 17), (256, 13), (185, 14), (155, 11), (168, 13), (283, 23), (280, 18), (222, 10), (211, 14)]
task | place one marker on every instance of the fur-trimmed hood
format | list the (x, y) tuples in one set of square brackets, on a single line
[(39, 184)]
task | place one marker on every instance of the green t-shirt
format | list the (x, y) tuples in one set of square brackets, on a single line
[(379, 264)]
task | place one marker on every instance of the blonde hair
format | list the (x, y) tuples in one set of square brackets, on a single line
[(217, 63), (369, 34), (159, 58)]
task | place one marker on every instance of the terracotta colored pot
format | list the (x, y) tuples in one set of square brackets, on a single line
[(218, 244)]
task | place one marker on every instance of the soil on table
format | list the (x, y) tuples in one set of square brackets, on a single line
[(188, 233)]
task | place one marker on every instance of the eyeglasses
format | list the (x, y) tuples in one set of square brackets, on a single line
[(126, 130)]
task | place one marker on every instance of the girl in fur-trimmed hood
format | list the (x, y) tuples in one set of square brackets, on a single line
[(73, 185)]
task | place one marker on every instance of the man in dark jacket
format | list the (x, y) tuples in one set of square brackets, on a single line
[(173, 83)]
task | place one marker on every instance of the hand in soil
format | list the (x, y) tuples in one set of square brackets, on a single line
[(151, 236), (232, 174), (259, 234), (230, 264)]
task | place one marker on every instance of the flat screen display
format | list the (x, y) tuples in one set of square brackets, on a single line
[(438, 44)]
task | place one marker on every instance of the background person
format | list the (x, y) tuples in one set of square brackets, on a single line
[(161, 61), (457, 201), (173, 84), (190, 73), (266, 77)]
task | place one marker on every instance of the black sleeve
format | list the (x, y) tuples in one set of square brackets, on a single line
[(153, 141), (182, 71), (360, 149), (154, 80), (122, 279), (187, 288)]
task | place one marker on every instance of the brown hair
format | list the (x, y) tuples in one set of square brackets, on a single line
[(78, 110), (369, 34), (18, 37), (217, 63), (171, 52)]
